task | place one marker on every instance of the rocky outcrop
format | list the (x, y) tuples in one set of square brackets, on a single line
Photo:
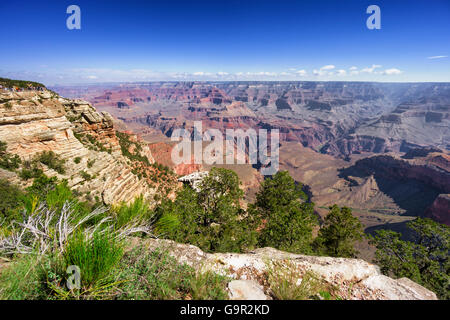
[(246, 290), (194, 179), (36, 121), (354, 278), (440, 209)]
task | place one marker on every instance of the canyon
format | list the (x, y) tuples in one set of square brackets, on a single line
[(337, 118), (379, 148), (115, 152), (32, 122)]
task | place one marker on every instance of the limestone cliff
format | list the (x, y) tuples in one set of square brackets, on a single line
[(34, 121)]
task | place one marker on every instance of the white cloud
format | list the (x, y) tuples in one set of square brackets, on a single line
[(392, 71), (324, 71), (437, 57), (371, 69), (328, 67)]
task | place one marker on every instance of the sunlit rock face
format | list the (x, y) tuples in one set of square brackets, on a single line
[(354, 278), (35, 121)]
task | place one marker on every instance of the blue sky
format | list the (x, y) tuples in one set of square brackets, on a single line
[(225, 40)]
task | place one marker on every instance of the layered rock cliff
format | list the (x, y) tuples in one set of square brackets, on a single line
[(423, 122), (413, 181), (35, 121), (339, 118)]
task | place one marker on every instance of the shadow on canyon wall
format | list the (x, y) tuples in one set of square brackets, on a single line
[(409, 194)]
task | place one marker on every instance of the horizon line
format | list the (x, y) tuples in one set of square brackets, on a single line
[(231, 81)]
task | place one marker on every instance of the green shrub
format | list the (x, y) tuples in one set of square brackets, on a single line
[(41, 186), (51, 160), (90, 163), (11, 199), (339, 233), (59, 195), (289, 218), (168, 223), (77, 160), (212, 218), (424, 260), (31, 276), (8, 161), (208, 286), (86, 176), (96, 257), (33, 172)]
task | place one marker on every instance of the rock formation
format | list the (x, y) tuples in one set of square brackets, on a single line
[(440, 209), (354, 278), (339, 118), (36, 121)]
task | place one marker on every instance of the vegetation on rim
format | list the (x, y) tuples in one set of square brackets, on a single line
[(212, 219)]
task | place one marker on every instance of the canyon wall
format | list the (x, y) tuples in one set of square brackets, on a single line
[(35, 121)]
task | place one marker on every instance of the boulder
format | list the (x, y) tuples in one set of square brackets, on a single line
[(246, 290)]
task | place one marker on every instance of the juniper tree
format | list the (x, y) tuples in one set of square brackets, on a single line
[(339, 233)]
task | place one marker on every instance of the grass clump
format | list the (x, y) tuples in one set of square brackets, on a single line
[(22, 279), (287, 283), (137, 210), (96, 256), (38, 277), (156, 275)]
